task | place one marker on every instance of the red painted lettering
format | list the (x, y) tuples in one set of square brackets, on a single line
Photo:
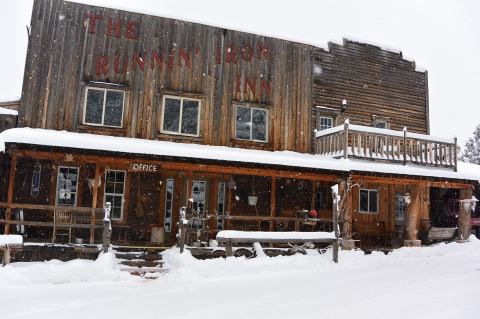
[(114, 27), (92, 21), (263, 51), (171, 57), (231, 54), (160, 59), (138, 60), (247, 53), (101, 67), (131, 30), (116, 65), (252, 85), (185, 56)]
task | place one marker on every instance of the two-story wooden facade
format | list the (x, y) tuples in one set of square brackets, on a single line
[(152, 114)]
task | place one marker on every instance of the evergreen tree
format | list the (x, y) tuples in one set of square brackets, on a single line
[(471, 152)]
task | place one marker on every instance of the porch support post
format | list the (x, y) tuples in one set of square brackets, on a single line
[(465, 214), (11, 182), (413, 211), (272, 202), (94, 202)]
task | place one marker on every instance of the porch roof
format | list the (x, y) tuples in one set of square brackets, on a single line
[(86, 141)]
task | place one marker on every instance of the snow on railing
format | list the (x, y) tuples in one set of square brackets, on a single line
[(388, 145)]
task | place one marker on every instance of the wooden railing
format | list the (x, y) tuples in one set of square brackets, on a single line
[(386, 145)]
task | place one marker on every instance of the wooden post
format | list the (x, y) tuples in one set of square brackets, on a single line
[(455, 155), (11, 182), (107, 228), (94, 202), (5, 254), (229, 248), (181, 229), (345, 139), (272, 203), (413, 209), (465, 214), (405, 145), (335, 222)]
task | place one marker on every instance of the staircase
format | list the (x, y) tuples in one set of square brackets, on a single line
[(140, 261)]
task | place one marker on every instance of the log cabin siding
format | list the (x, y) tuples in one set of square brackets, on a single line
[(219, 66), (375, 82)]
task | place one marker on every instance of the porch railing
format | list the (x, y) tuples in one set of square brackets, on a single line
[(377, 144)]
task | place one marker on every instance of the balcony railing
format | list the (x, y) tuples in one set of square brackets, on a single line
[(377, 144)]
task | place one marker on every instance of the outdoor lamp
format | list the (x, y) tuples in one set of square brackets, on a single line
[(344, 105)]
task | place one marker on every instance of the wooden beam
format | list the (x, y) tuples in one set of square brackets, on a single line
[(48, 224), (11, 183), (94, 201), (406, 181), (51, 208)]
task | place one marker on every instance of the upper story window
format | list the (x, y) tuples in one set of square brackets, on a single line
[(103, 107), (251, 123), (180, 116), (381, 122), (325, 122), (369, 201)]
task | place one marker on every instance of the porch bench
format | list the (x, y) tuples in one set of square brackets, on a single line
[(7, 243), (229, 238), (436, 234)]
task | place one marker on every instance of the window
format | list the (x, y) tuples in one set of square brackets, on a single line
[(103, 107), (319, 203), (67, 183), (180, 116), (114, 189), (168, 205), (380, 124), (369, 201), (251, 124), (400, 207), (325, 122), (221, 204)]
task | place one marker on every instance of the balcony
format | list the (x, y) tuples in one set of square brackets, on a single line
[(363, 142)]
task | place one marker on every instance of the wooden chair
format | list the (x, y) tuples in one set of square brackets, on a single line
[(62, 231)]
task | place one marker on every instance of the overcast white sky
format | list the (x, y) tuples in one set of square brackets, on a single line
[(442, 36)]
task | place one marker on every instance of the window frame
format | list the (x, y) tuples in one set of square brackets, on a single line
[(381, 119), (181, 98), (76, 187), (267, 126), (397, 196), (168, 206), (103, 108), (114, 194), (325, 117), (221, 200), (368, 211)]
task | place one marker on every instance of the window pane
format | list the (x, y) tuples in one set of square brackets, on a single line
[(190, 117), (259, 125), (94, 107), (373, 201), (243, 123), (380, 124), (364, 200), (67, 186), (325, 122), (113, 108), (171, 115)]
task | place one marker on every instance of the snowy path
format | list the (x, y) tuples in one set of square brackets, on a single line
[(437, 282)]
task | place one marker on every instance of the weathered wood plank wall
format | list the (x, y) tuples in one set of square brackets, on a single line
[(374, 81), (72, 44)]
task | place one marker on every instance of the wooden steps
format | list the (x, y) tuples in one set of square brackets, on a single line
[(140, 261)]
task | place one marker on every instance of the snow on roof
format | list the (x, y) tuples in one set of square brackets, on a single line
[(4, 111), (66, 139)]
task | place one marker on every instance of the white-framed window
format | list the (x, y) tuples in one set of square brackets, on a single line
[(369, 201), (325, 122), (167, 223), (103, 107), (67, 184), (380, 124), (221, 204), (114, 192), (400, 207), (180, 115), (251, 123)]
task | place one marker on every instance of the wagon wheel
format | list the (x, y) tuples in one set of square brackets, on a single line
[(217, 253), (243, 252)]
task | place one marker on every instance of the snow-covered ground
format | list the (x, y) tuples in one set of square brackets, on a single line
[(442, 281)]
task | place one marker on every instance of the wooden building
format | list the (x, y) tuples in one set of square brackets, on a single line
[(153, 114)]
